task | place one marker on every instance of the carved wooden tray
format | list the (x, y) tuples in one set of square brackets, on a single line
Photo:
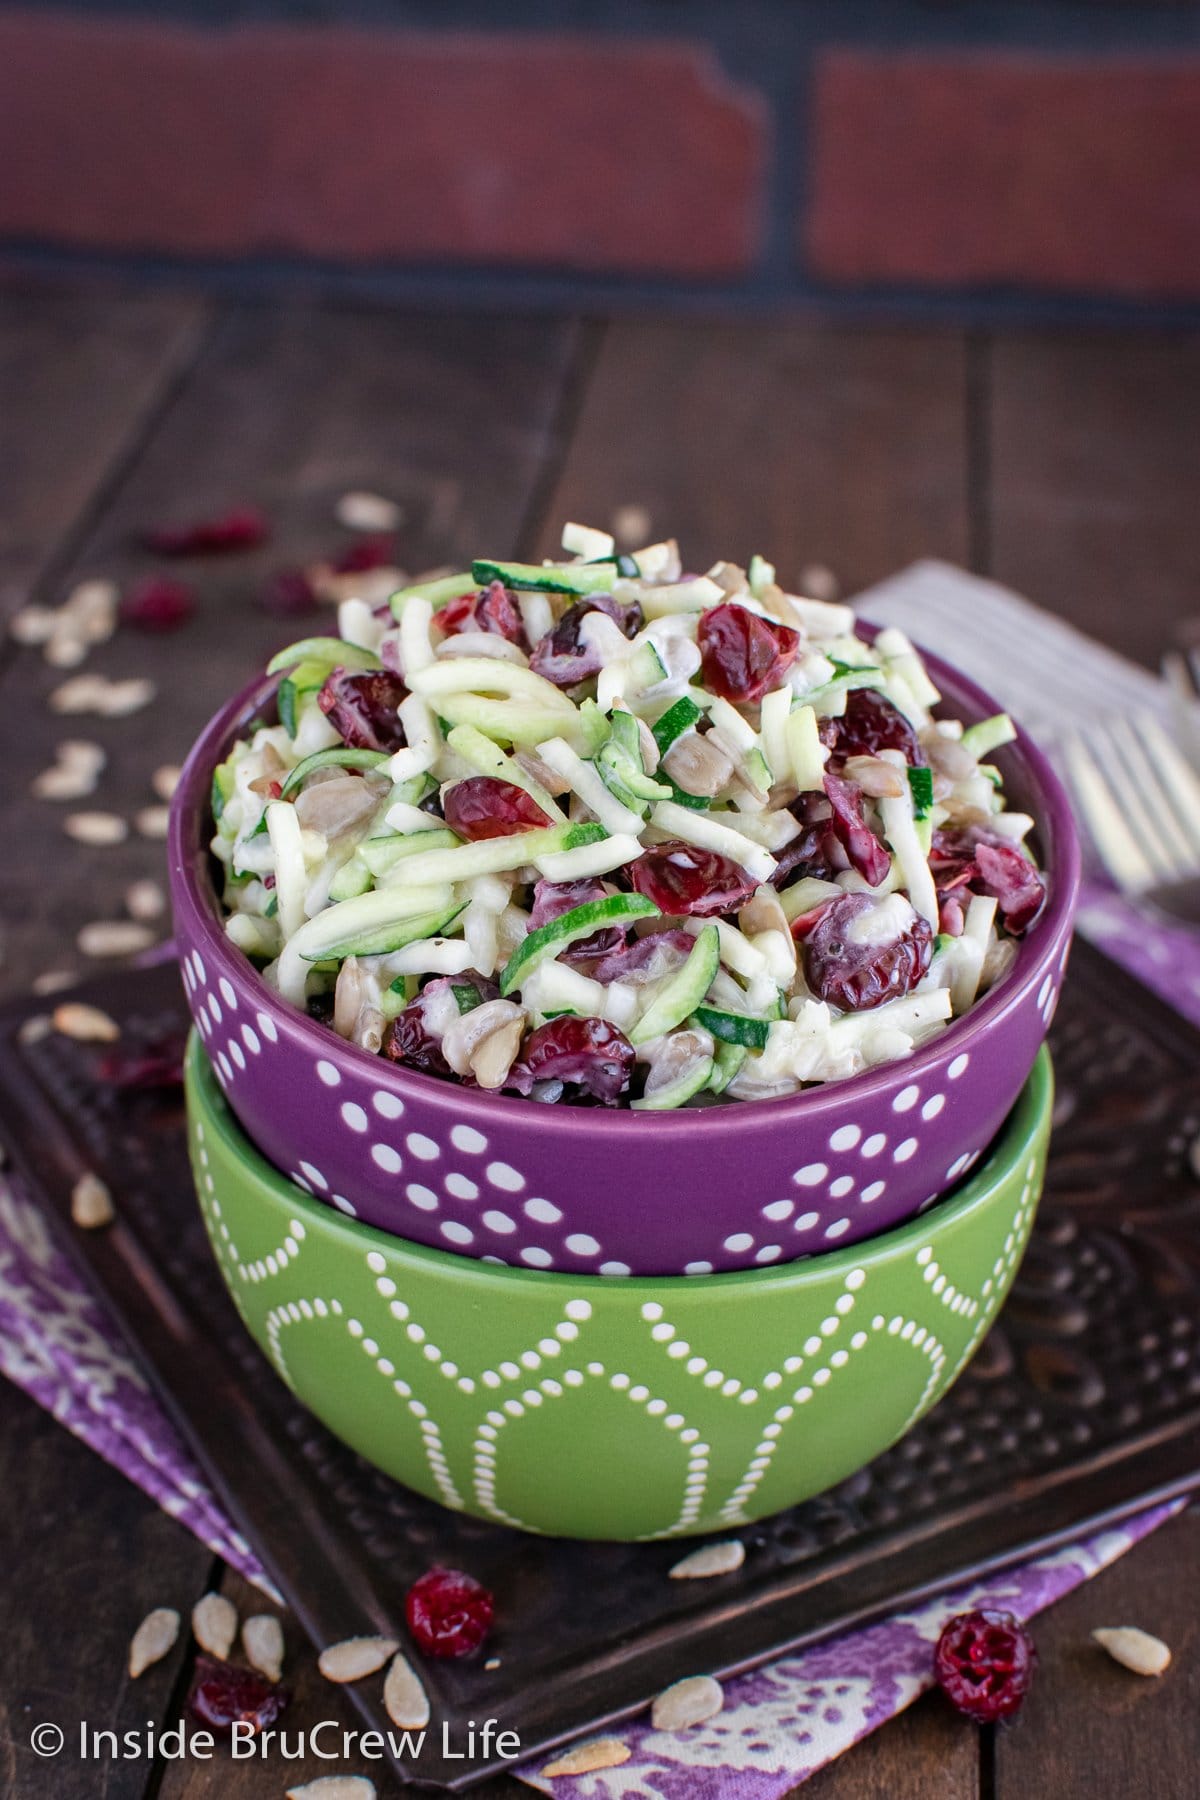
[(1082, 1404)]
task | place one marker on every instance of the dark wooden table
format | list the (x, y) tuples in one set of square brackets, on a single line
[(1061, 463)]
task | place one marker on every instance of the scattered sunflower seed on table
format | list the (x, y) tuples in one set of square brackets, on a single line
[(153, 1639), (114, 937), (91, 1204), (87, 1024), (334, 1787), (32, 625), (165, 780), (73, 776), (262, 1640), (145, 901), (215, 1624), (602, 1753), (52, 981), (688, 1702), (404, 1698), (153, 821), (359, 511), (711, 1559), (355, 1657), (1134, 1649), (631, 524), (99, 830), (98, 694)]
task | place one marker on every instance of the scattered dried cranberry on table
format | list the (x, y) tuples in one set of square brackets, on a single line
[(984, 1663), (449, 1613)]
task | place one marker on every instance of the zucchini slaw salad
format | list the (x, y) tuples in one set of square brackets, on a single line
[(598, 831)]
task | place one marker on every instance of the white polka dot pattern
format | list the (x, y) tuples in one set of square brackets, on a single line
[(405, 1166)]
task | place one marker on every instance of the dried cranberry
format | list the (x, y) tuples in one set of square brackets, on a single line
[(1016, 884), (646, 958), (982, 862), (871, 724), (815, 850), (858, 976), (484, 807), (864, 849), (551, 899), (562, 656), (744, 655), (984, 1662), (158, 604), (493, 609), (407, 1040), (448, 1613), (288, 593), (223, 1696), (591, 1054), (683, 880), (362, 708), (242, 528), (364, 554), (157, 1063)]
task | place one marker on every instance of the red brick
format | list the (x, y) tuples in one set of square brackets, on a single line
[(385, 146), (1078, 175)]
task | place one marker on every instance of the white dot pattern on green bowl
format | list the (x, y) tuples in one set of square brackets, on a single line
[(737, 1423)]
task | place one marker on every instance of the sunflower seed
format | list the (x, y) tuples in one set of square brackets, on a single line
[(819, 582), (32, 625), (334, 1787), (145, 900), (631, 525), (91, 608), (81, 753), (153, 821), (91, 1204), (97, 694), (355, 1657), (52, 981), (405, 1700), (165, 780), (262, 1640), (114, 937), (67, 647), (99, 829), (214, 1625), (154, 1637), (688, 1702), (1134, 1649), (602, 1753), (87, 1024), (712, 1559), (35, 1029), (367, 512), (124, 697), (64, 781)]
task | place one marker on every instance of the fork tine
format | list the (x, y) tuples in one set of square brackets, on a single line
[(1157, 810), (1106, 826), (1181, 672), (1177, 777), (1113, 765)]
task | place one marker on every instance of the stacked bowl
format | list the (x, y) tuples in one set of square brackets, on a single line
[(607, 1323)]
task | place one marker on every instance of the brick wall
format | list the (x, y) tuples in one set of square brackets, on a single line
[(760, 156)]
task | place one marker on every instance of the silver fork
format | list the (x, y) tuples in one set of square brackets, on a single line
[(1139, 800)]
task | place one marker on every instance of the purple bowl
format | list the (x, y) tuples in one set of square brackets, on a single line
[(610, 1192)]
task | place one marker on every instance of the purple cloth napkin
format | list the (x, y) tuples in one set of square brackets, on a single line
[(785, 1721)]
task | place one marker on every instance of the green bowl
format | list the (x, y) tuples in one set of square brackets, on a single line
[(617, 1407)]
